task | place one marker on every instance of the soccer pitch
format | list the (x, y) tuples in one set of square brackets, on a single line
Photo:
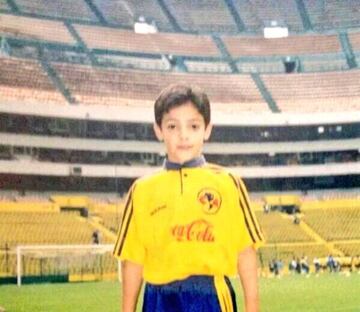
[(328, 293)]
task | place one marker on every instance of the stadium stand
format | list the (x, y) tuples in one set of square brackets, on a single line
[(329, 15), (256, 14), (132, 62), (311, 92), (354, 38), (227, 16), (207, 67), (335, 224), (257, 66), (34, 29), (287, 252), (197, 19), (279, 228), (160, 43), (25, 80), (294, 45), (111, 220), (90, 85), (349, 248), (71, 9), (45, 228), (125, 13), (322, 63)]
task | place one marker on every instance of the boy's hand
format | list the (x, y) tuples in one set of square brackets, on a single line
[(131, 285), (247, 269)]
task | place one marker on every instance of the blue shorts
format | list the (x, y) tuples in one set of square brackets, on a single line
[(197, 293)]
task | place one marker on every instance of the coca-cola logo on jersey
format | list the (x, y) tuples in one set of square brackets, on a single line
[(196, 231)]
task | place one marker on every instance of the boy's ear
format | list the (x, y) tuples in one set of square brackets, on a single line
[(158, 132), (208, 130)]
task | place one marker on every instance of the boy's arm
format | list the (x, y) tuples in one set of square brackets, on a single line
[(131, 284), (247, 269)]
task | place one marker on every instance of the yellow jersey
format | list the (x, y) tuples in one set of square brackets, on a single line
[(187, 220)]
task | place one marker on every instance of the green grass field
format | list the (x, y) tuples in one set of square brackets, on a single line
[(328, 293)]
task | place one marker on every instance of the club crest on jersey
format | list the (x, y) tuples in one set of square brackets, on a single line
[(210, 200)]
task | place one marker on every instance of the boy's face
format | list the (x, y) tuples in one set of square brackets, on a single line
[(183, 131)]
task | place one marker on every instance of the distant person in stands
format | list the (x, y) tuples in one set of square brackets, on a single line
[(296, 219), (189, 226), (96, 237)]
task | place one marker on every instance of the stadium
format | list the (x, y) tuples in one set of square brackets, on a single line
[(78, 80)]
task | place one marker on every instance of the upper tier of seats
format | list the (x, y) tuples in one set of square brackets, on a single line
[(257, 13), (74, 9), (26, 80), (201, 16), (91, 85), (332, 14), (113, 39), (126, 12)]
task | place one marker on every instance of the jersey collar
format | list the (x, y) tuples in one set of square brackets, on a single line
[(196, 162)]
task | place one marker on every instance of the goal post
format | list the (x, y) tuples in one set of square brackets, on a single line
[(71, 262)]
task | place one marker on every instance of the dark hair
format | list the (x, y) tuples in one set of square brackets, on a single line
[(178, 94)]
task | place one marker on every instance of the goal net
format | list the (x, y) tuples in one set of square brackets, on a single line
[(45, 263)]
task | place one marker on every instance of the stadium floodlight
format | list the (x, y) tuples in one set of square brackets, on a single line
[(275, 30), (76, 262)]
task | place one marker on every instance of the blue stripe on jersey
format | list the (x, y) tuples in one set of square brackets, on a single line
[(196, 293)]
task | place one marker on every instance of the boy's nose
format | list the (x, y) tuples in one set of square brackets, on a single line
[(184, 134)]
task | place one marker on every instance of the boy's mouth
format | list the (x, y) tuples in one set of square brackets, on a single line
[(184, 147)]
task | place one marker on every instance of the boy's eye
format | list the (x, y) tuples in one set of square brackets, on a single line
[(195, 127), (171, 127)]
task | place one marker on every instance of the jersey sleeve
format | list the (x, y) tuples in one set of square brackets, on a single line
[(248, 230), (128, 245)]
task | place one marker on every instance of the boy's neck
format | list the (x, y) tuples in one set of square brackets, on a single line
[(193, 163)]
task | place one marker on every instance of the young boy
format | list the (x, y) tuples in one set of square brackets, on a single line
[(189, 226)]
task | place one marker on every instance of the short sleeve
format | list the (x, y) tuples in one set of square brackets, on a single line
[(248, 230), (128, 245)]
